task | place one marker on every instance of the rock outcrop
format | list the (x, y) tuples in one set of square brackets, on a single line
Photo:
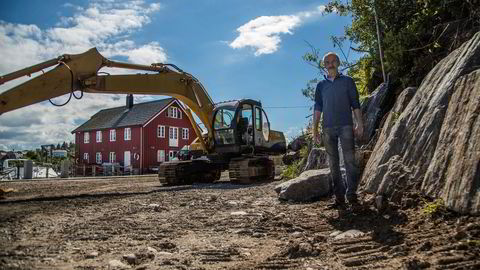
[(373, 109), (434, 144), (308, 186)]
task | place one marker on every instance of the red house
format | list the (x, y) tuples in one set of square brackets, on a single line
[(138, 135)]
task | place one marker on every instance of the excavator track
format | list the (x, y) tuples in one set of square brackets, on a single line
[(188, 172), (248, 170)]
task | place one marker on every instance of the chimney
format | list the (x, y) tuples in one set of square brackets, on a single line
[(129, 101)]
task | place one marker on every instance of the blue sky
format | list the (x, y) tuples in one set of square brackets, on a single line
[(237, 49)]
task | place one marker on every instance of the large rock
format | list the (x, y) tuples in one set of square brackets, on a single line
[(435, 142), (317, 159), (373, 109), (308, 186)]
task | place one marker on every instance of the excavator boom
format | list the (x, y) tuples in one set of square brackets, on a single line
[(81, 72)]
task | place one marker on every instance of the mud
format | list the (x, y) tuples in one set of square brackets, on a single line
[(135, 223)]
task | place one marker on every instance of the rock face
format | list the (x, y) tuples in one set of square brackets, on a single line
[(373, 109), (434, 144), (308, 186)]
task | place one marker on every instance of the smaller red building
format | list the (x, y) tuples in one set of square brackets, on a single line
[(140, 136)]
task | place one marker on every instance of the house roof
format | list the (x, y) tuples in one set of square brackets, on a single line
[(116, 117)]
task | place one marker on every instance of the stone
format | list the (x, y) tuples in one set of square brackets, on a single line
[(151, 249), (92, 255), (116, 264), (349, 234), (308, 186), (238, 213), (317, 159), (434, 142), (130, 258)]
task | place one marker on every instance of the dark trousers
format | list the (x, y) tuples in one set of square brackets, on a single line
[(340, 187)]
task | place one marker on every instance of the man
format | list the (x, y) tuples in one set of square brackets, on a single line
[(336, 96)]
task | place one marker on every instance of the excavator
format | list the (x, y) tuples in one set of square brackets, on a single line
[(238, 137)]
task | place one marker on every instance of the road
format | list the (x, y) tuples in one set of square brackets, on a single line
[(135, 223)]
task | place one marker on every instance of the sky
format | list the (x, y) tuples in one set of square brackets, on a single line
[(236, 48)]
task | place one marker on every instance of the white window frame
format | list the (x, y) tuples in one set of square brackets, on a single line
[(112, 157), (99, 136), (127, 134), (98, 157), (86, 137), (174, 112), (159, 159), (161, 131), (185, 133), (85, 157), (113, 135)]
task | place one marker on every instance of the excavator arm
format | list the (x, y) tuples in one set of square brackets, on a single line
[(81, 72)]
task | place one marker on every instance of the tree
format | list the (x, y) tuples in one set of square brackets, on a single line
[(416, 35)]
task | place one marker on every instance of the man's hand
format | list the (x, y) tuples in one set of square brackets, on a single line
[(358, 131)]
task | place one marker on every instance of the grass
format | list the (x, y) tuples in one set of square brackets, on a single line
[(435, 208)]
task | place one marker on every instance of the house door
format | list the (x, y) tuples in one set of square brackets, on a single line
[(173, 136), (126, 159)]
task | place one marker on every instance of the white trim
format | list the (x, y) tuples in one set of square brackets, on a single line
[(159, 156), (86, 139), (97, 155), (164, 108), (114, 133), (127, 134), (98, 139), (185, 131), (110, 159), (159, 135)]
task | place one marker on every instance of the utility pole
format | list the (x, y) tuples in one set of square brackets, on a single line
[(379, 40)]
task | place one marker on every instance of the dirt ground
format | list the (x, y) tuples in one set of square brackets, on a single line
[(135, 223)]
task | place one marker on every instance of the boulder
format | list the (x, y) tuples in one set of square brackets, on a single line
[(317, 159), (298, 143), (435, 142), (308, 186)]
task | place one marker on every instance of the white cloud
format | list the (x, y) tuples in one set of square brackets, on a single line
[(106, 25), (263, 33)]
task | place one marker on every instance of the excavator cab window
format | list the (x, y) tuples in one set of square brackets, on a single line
[(246, 124), (223, 126)]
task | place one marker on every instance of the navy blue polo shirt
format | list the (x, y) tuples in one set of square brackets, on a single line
[(336, 99)]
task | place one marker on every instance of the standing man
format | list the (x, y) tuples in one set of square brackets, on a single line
[(336, 96)]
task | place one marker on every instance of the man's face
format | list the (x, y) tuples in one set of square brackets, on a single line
[(331, 62)]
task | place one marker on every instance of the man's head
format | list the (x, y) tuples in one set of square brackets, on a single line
[(331, 61)]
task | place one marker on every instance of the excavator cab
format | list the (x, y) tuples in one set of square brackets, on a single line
[(242, 127)]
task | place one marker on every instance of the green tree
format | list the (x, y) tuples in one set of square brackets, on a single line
[(415, 35)]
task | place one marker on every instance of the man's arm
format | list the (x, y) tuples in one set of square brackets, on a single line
[(317, 113), (355, 104), (316, 120)]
